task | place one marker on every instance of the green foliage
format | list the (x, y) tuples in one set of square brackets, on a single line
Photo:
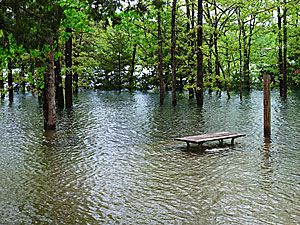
[(105, 39)]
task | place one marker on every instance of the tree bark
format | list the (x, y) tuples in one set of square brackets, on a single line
[(173, 60), (217, 68), (23, 84), (245, 59), (188, 29), (280, 59), (284, 52), (49, 91), (68, 80), (10, 81), (160, 63), (120, 75), (240, 53), (2, 87), (59, 94), (76, 63), (199, 91), (131, 78)]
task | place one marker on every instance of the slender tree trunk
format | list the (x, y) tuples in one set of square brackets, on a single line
[(2, 87), (76, 63), (75, 75), (160, 63), (10, 82), (173, 60), (119, 68), (247, 62), (49, 91), (245, 65), (217, 68), (188, 29), (284, 51), (210, 72), (193, 46), (199, 92), (23, 84), (68, 79), (280, 59), (59, 94), (241, 62), (40, 97), (131, 78)]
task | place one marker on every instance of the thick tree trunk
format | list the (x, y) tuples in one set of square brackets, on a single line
[(284, 52), (68, 80), (173, 60), (10, 82), (199, 91), (160, 62), (131, 78), (280, 59), (59, 94), (49, 91)]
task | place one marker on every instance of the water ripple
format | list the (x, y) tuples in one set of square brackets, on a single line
[(113, 161)]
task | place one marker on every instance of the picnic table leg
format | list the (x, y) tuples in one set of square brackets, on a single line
[(221, 142), (188, 144), (232, 141)]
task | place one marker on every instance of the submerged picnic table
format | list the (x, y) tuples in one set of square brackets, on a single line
[(200, 139)]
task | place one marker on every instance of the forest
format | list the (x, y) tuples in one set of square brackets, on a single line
[(55, 48)]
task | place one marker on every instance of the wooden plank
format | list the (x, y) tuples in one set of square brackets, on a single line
[(220, 136)]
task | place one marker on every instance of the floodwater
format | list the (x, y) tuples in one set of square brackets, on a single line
[(113, 160)]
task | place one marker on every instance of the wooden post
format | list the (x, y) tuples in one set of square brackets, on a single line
[(267, 106)]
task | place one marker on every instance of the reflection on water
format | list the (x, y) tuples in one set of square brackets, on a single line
[(113, 161)]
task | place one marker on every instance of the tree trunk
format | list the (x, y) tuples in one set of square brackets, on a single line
[(173, 60), (22, 77), (2, 87), (160, 62), (59, 94), (280, 59), (10, 82), (284, 52), (247, 62), (217, 68), (76, 63), (131, 78), (240, 53), (119, 69), (246, 65), (68, 80), (199, 91), (188, 29), (49, 91)]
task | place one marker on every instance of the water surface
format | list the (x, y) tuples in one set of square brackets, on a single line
[(113, 161)]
